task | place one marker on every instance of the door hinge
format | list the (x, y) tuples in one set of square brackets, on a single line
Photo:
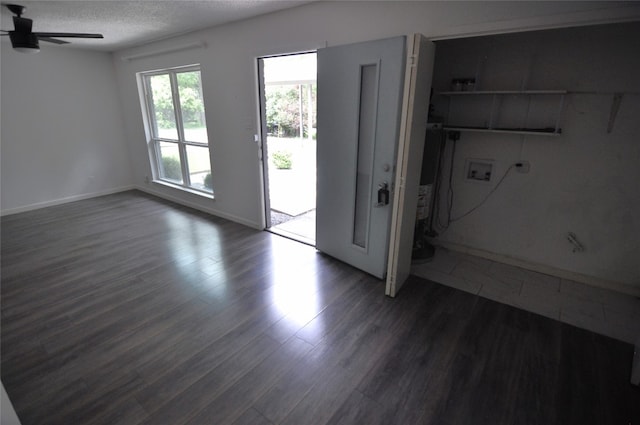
[(412, 60)]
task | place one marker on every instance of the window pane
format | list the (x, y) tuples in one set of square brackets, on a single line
[(199, 167), (366, 139), (162, 104), (192, 106), (170, 168)]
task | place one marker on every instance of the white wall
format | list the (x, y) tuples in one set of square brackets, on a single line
[(229, 78), (62, 135), (586, 181), (7, 413)]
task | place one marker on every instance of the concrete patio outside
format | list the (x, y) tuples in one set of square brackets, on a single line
[(293, 192)]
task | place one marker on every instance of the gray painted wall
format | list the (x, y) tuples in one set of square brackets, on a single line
[(62, 136)]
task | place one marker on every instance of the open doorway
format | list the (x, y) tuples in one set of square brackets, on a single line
[(288, 95)]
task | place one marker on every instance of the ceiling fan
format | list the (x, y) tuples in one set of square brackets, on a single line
[(24, 40)]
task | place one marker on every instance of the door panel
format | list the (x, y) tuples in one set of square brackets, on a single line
[(413, 130), (359, 106)]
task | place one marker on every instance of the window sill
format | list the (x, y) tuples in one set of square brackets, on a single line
[(185, 189)]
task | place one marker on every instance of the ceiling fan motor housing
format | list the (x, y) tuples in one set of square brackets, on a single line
[(25, 41)]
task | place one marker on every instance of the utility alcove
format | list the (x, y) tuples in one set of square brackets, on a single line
[(555, 113)]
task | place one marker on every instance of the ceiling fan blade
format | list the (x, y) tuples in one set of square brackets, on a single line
[(52, 40), (67, 35)]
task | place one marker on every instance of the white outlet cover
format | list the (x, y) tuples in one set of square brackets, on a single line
[(478, 170)]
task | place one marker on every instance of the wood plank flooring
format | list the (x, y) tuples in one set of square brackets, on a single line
[(126, 309)]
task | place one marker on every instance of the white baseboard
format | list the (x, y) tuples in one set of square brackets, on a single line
[(66, 200), (541, 268), (159, 194), (195, 206)]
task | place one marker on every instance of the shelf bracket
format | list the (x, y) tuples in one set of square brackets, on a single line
[(615, 106), (559, 113)]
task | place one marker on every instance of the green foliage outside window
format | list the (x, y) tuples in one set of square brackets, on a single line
[(283, 109), (282, 160), (171, 168), (208, 183), (191, 103), (190, 96)]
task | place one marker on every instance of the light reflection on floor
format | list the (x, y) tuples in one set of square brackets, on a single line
[(295, 284), (192, 242), (292, 281)]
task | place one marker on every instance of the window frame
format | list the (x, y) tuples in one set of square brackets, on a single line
[(154, 140)]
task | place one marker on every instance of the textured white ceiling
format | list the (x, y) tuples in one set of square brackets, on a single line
[(129, 23)]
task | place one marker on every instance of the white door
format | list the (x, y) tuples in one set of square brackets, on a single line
[(415, 112), (360, 89)]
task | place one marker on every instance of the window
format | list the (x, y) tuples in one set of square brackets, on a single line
[(179, 146)]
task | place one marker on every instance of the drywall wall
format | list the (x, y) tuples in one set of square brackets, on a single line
[(587, 181), (7, 413), (62, 136), (229, 73)]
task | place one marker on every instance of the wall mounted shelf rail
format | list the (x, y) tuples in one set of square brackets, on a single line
[(553, 129)]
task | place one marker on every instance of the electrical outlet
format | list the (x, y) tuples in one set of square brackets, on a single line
[(522, 166)]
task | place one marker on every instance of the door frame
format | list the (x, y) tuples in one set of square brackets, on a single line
[(261, 138), (415, 111)]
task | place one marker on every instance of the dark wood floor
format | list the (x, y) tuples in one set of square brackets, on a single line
[(126, 309)]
